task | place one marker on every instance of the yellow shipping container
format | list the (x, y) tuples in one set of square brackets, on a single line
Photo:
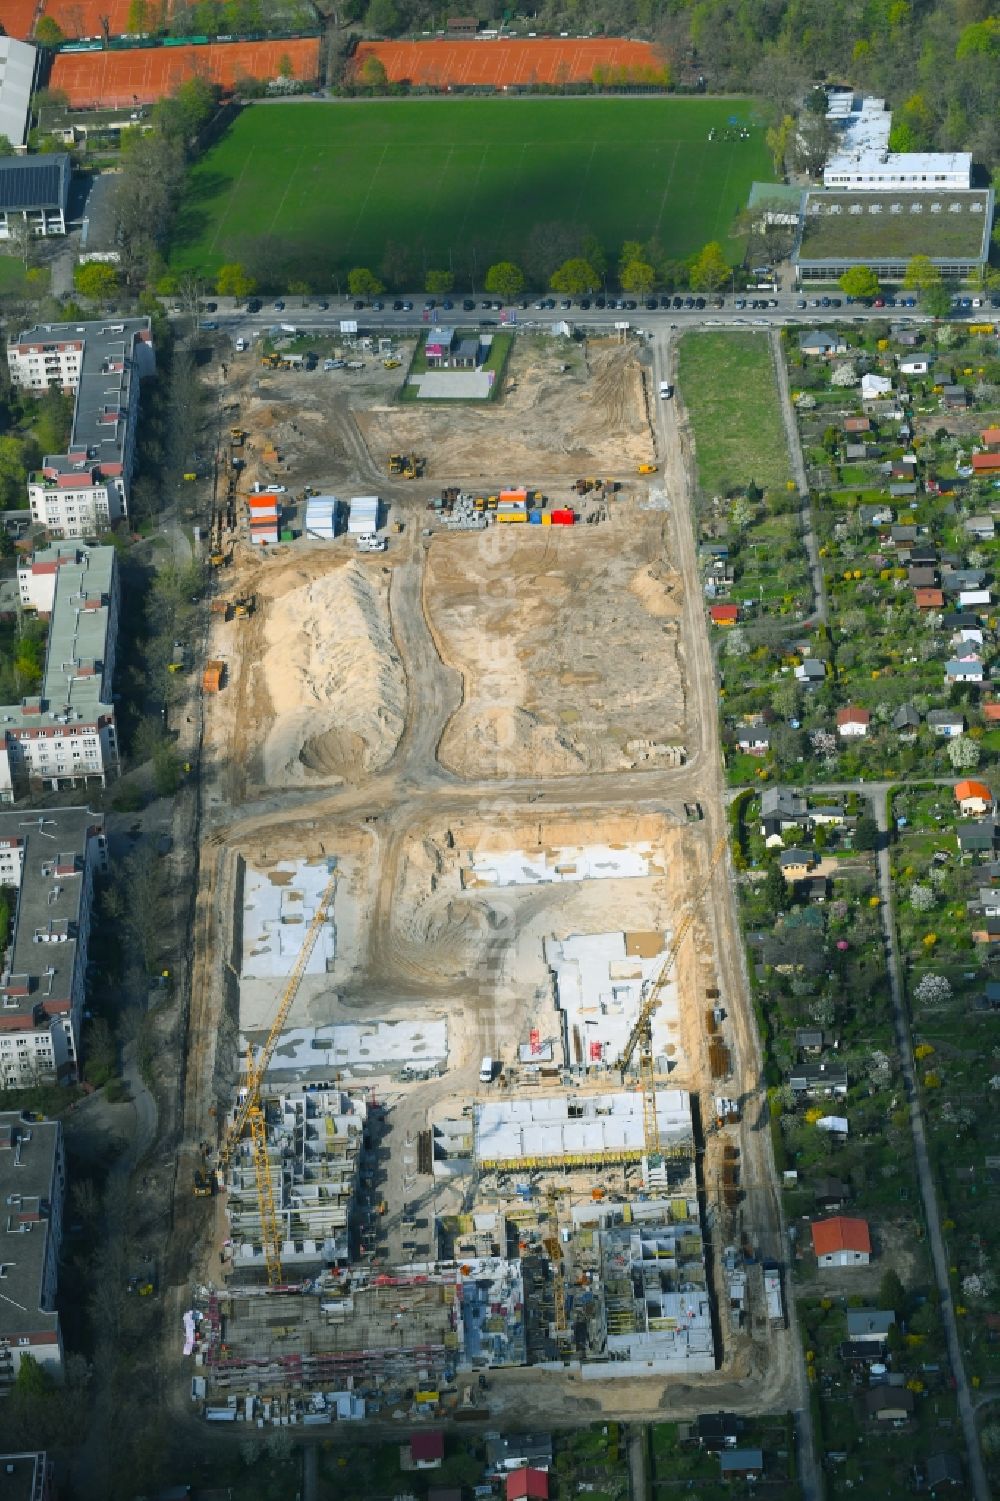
[(546, 518), (512, 515)]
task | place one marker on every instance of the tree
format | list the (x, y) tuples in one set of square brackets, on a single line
[(234, 280), (505, 280), (892, 1293), (778, 138), (363, 283), (859, 281), (49, 33), (96, 280), (638, 277), (710, 269), (574, 278), (936, 302), (439, 281), (382, 18), (593, 251), (922, 898), (13, 473), (811, 144), (32, 1379), (921, 274), (372, 72), (963, 753), (775, 888), (866, 833), (933, 990)]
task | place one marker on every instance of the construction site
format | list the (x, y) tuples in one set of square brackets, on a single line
[(473, 1079)]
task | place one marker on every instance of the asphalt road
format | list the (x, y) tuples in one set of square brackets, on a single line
[(237, 321)]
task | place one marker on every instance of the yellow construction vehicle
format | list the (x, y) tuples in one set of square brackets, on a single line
[(217, 558), (272, 361), (641, 1036), (647, 468), (237, 436), (396, 463), (391, 363), (250, 1111), (202, 1184), (243, 608), (413, 467)]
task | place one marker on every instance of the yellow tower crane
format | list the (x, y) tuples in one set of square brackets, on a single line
[(554, 1250), (641, 1036), (250, 1113)]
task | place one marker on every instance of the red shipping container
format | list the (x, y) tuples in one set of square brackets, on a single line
[(563, 517)]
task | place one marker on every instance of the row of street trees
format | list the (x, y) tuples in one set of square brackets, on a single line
[(922, 276), (639, 272)]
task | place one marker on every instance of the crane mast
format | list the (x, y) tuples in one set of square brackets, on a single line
[(249, 1114)]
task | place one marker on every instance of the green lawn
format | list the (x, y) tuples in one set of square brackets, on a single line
[(728, 385), (313, 189)]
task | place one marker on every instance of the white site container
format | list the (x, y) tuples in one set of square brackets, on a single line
[(364, 514)]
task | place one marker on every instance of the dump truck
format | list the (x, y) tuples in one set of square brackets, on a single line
[(213, 676), (647, 468), (204, 1184), (237, 436), (243, 608)]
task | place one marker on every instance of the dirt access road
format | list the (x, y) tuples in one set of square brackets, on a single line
[(414, 795)]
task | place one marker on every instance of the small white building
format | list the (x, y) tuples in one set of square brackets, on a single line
[(34, 191), (364, 515)]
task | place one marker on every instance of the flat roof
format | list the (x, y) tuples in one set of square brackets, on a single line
[(839, 225), (103, 392), (34, 182), (28, 1154), (600, 980), (17, 77), (577, 1126), (22, 1476), (46, 920), (75, 690)]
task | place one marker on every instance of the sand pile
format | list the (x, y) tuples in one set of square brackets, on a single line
[(334, 678)]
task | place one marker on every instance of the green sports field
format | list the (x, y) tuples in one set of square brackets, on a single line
[(312, 189)]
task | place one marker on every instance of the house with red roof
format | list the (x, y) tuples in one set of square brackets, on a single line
[(853, 723), (423, 1451), (928, 599), (724, 614), (985, 463), (991, 437), (841, 1242), (973, 798), (527, 1484)]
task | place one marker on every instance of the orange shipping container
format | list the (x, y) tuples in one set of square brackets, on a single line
[(512, 497), (211, 678)]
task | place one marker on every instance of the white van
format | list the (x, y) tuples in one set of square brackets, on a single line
[(666, 390), (486, 1070)]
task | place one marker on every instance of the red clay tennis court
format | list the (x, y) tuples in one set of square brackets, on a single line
[(108, 80), (18, 17), (500, 62), (77, 18)]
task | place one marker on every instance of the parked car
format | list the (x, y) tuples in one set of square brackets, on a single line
[(358, 305), (468, 305), (254, 305), (279, 306)]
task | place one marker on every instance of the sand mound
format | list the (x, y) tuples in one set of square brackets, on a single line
[(658, 590), (502, 741), (334, 678)]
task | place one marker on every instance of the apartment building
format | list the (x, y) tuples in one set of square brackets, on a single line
[(66, 734), (83, 491), (34, 190), (32, 1189), (47, 865)]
